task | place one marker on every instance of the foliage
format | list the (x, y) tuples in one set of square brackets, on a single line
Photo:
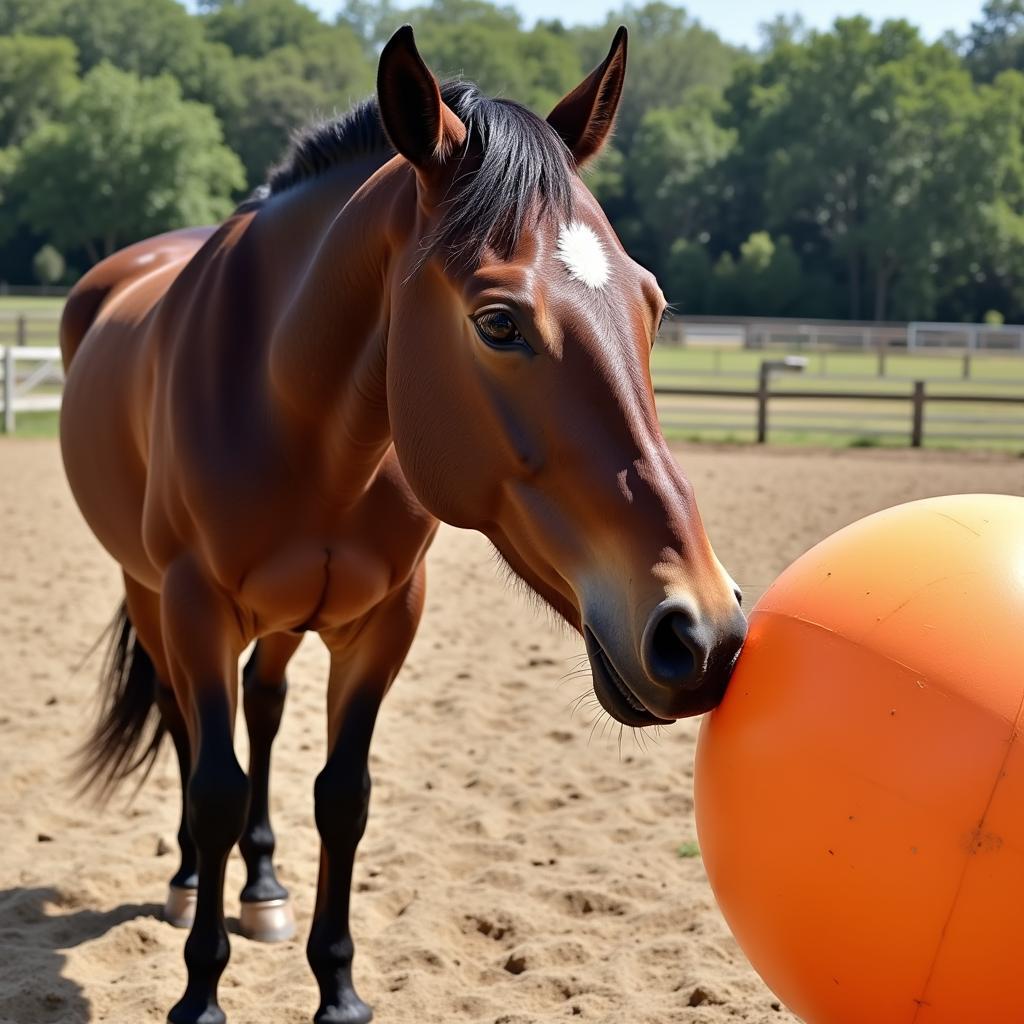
[(48, 265), (254, 28), (670, 165), (855, 172), (38, 77), (995, 43), (129, 158), (851, 143)]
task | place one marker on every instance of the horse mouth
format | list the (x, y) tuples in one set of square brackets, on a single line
[(613, 692)]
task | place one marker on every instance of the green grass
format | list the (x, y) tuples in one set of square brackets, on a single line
[(36, 424), (688, 849), (30, 304)]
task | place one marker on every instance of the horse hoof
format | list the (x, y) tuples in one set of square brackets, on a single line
[(267, 920), (186, 1012), (180, 908), (351, 1010)]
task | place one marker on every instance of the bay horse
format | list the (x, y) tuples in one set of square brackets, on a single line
[(425, 316)]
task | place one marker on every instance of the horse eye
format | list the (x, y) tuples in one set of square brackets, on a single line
[(498, 329)]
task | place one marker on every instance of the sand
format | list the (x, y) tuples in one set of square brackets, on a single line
[(519, 866)]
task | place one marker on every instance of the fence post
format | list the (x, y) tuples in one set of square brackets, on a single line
[(22, 331), (917, 429), (882, 352), (966, 372), (8, 390), (762, 403)]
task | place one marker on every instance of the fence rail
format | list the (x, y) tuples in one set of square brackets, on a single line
[(17, 390), (918, 422)]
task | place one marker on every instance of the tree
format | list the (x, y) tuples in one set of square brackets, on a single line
[(38, 77), (48, 265), (687, 279), (253, 28), (996, 42), (147, 37), (766, 280), (669, 169), (850, 143), (669, 54), (371, 21), (782, 30), (130, 158)]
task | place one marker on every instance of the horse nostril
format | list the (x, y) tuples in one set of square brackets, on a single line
[(674, 655)]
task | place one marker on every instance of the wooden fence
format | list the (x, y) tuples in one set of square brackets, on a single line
[(915, 401), (29, 328)]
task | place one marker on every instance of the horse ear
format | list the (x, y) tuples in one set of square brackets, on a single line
[(419, 124), (584, 118)]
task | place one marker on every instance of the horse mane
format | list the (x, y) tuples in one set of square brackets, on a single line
[(520, 169)]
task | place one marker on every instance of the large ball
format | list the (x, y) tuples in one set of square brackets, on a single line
[(860, 791)]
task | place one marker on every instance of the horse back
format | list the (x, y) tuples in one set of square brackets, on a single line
[(117, 273)]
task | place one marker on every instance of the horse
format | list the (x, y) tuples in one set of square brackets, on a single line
[(424, 316)]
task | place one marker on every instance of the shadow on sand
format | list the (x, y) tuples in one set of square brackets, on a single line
[(34, 930)]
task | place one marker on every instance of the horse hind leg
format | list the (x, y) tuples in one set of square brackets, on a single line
[(180, 907), (143, 607), (266, 913)]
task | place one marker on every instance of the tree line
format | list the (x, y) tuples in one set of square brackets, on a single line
[(861, 172)]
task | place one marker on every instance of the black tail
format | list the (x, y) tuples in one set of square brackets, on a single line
[(129, 731)]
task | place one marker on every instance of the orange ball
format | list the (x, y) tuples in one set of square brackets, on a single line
[(860, 791)]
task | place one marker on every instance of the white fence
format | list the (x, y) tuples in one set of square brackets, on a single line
[(33, 376), (974, 337), (763, 333)]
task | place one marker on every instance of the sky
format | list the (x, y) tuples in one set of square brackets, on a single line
[(737, 20)]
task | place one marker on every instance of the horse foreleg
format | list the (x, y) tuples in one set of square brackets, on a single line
[(358, 681), (202, 642), (266, 913)]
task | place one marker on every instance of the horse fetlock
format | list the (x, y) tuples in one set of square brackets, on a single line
[(331, 961), (327, 954), (261, 884)]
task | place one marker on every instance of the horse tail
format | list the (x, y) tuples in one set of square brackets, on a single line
[(126, 738)]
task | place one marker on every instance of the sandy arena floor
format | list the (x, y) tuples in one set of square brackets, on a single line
[(516, 869)]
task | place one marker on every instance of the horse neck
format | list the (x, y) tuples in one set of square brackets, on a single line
[(328, 351)]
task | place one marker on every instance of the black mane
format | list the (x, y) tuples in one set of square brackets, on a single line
[(522, 168)]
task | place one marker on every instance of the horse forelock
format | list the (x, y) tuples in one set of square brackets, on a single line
[(518, 171)]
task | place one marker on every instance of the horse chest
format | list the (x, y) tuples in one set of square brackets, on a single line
[(313, 585), (340, 571)]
